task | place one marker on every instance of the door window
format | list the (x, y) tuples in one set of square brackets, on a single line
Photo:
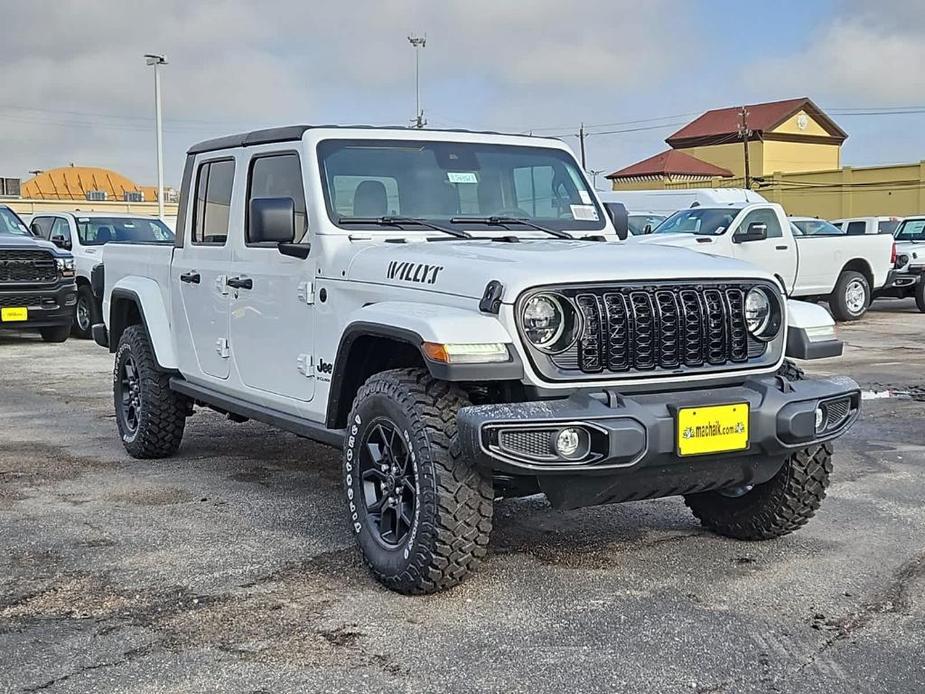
[(61, 228), (279, 176), (212, 210), (856, 228), (41, 226), (767, 217)]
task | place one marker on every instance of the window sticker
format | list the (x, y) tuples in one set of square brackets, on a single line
[(585, 196), (585, 213), (462, 177)]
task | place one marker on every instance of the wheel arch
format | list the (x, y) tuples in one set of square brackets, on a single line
[(133, 305), (862, 266)]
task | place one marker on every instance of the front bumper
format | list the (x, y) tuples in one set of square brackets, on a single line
[(634, 451), (48, 307)]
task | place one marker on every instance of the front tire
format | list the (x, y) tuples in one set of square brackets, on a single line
[(56, 333), (851, 297), (773, 509), (420, 513), (920, 294), (150, 416), (86, 313)]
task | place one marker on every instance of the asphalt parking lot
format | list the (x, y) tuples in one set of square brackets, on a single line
[(231, 566)]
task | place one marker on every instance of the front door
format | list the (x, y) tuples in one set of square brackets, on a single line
[(272, 304), (199, 272), (777, 253)]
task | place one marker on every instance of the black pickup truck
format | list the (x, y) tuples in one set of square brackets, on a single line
[(37, 288)]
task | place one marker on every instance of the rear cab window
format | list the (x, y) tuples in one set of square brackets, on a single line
[(212, 208)]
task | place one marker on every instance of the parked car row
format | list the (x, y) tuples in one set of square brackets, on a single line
[(45, 267)]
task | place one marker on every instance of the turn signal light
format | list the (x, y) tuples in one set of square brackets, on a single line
[(459, 353)]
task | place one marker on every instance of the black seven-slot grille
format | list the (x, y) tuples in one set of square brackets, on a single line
[(27, 266), (646, 328)]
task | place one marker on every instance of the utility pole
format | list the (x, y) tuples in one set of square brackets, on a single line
[(745, 134), (157, 61), (581, 140), (418, 42)]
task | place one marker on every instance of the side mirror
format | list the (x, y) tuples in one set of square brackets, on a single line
[(620, 218), (757, 231), (271, 220), (61, 241)]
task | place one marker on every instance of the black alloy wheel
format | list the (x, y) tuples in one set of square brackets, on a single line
[(388, 482), (129, 395)]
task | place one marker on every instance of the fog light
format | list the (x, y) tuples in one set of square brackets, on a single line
[(820, 419), (70, 299), (571, 443)]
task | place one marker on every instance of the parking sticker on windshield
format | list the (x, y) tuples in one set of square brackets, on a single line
[(462, 177), (585, 213)]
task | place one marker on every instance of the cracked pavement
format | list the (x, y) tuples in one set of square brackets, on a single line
[(231, 566)]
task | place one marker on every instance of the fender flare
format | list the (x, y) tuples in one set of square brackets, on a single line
[(146, 295), (414, 324), (811, 332)]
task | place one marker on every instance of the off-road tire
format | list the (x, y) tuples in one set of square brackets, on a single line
[(791, 371), (85, 296), (56, 333), (920, 294), (449, 534), (838, 301), (161, 415), (773, 509)]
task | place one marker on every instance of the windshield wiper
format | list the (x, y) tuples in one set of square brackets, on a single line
[(389, 221), (504, 221)]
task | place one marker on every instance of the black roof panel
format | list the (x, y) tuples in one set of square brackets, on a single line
[(289, 133)]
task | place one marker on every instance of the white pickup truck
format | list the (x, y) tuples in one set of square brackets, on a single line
[(845, 270), (454, 310)]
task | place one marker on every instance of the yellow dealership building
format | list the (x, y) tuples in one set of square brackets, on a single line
[(794, 158)]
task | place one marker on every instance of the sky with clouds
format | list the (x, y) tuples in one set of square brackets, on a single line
[(74, 86)]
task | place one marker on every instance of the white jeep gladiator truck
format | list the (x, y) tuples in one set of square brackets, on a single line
[(455, 311), (844, 270)]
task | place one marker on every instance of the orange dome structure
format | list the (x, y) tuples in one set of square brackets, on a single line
[(83, 183)]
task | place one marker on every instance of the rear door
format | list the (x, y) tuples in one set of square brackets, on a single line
[(200, 269), (272, 315), (777, 253)]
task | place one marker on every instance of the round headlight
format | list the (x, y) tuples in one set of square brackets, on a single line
[(543, 320), (758, 312)]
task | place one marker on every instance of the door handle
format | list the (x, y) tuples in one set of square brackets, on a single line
[(781, 248), (240, 282), (191, 277)]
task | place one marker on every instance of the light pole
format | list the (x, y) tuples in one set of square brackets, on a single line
[(418, 42), (157, 61)]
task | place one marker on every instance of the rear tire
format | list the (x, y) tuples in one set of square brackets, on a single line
[(56, 333), (920, 294), (851, 296), (86, 313), (150, 416), (421, 514), (773, 509)]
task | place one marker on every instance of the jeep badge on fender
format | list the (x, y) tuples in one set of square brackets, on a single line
[(493, 338)]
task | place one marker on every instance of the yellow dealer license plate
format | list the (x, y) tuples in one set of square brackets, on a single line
[(13, 314), (712, 429)]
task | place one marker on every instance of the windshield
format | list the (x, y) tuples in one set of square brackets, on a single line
[(95, 231), (911, 230), (817, 227), (639, 222), (437, 181), (11, 225), (699, 220)]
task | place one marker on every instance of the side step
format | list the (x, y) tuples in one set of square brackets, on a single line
[(282, 420)]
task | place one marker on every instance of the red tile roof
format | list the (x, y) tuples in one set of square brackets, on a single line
[(670, 162), (761, 118)]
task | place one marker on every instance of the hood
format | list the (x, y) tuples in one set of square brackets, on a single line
[(464, 268), (701, 243), (28, 242)]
